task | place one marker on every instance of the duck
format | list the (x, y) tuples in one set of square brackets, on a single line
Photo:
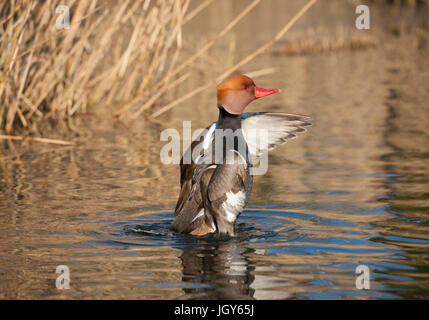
[(216, 183)]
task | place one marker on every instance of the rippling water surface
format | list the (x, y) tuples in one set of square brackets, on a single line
[(352, 191)]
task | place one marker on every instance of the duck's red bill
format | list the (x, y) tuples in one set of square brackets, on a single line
[(261, 92)]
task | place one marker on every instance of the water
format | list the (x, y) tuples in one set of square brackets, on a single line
[(352, 191)]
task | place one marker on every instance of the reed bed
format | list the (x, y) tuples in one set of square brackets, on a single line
[(321, 40), (401, 2), (114, 52)]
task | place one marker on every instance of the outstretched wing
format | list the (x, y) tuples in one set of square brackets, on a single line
[(264, 131)]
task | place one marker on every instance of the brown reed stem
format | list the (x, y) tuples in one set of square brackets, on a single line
[(44, 140), (251, 56), (208, 45), (197, 10)]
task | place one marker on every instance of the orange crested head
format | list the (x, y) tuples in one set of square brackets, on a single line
[(236, 92)]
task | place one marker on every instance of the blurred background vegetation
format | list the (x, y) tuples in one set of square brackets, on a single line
[(121, 54)]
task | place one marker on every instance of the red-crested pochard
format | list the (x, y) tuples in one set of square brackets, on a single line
[(214, 193)]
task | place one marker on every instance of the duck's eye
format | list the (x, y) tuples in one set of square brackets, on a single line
[(247, 86)]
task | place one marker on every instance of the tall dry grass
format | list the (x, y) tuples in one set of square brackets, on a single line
[(114, 53)]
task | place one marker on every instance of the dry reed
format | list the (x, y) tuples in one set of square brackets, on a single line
[(196, 55), (47, 73), (242, 62), (37, 139)]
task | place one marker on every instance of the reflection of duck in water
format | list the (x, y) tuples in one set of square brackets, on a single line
[(222, 266), (215, 187)]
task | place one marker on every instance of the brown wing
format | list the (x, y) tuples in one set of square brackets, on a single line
[(190, 203), (227, 194), (189, 171)]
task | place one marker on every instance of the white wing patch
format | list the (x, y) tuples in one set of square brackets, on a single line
[(234, 205), (241, 161), (208, 137), (263, 132), (201, 213)]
